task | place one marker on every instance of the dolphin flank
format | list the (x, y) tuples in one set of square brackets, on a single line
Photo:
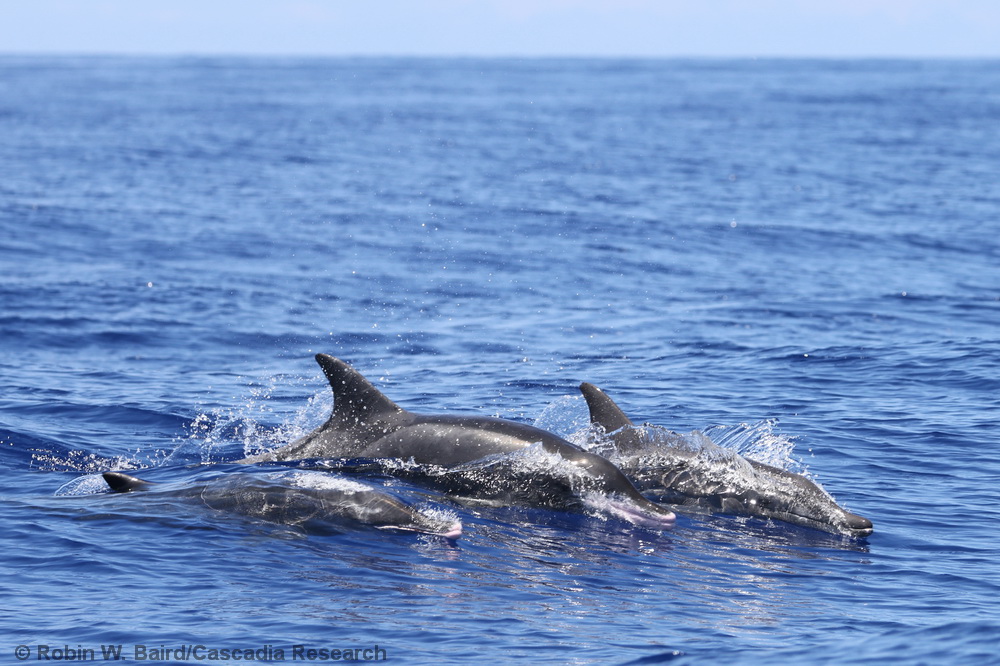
[(367, 424), (679, 477)]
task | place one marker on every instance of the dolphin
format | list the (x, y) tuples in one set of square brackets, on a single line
[(310, 500), (663, 463), (485, 457)]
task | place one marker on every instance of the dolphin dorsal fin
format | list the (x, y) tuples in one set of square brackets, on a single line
[(124, 483), (603, 410), (355, 400)]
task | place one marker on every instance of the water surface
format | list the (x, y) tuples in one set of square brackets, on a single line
[(806, 247)]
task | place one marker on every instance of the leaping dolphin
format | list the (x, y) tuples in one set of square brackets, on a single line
[(366, 424), (310, 500), (656, 462)]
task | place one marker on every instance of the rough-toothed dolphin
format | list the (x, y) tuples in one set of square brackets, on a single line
[(367, 424), (310, 500), (653, 459)]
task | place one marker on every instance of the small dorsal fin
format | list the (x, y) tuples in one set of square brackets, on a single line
[(124, 483), (355, 400), (603, 410)]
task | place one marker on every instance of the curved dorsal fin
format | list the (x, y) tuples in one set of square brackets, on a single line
[(355, 400), (124, 483), (603, 410)]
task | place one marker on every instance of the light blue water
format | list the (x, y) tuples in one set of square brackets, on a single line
[(712, 242)]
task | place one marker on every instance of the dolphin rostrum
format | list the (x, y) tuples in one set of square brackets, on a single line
[(488, 455), (663, 463), (310, 500)]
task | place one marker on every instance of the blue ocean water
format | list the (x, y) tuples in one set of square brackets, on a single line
[(810, 248)]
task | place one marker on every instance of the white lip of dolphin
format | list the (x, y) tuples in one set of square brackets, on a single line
[(627, 510), (846, 525), (839, 521), (452, 531)]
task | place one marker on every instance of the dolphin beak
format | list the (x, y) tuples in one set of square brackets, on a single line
[(452, 532), (649, 515), (447, 529), (859, 525)]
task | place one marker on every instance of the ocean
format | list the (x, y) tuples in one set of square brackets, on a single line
[(798, 257)]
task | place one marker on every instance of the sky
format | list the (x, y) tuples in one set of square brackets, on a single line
[(637, 28)]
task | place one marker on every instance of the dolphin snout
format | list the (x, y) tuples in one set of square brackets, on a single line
[(645, 514), (451, 532), (858, 524)]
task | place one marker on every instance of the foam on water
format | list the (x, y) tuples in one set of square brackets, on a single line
[(320, 480), (758, 441), (91, 484)]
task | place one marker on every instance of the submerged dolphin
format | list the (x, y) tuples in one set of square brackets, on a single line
[(659, 463), (310, 500), (480, 452)]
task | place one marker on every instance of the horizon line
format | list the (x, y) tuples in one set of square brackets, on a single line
[(481, 56)]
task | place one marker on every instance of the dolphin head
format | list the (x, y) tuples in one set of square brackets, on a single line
[(342, 497), (793, 498), (607, 488)]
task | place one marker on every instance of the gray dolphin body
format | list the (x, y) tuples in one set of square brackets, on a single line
[(656, 462), (367, 424), (311, 500)]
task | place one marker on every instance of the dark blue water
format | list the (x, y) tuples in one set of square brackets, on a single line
[(809, 248)]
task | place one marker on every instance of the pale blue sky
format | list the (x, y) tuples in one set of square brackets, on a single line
[(838, 28)]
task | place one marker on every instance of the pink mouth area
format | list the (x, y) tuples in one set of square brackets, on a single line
[(633, 514), (452, 532)]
